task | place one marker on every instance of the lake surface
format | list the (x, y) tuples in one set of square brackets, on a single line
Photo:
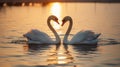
[(101, 18)]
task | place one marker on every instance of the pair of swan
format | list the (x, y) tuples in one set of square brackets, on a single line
[(83, 37)]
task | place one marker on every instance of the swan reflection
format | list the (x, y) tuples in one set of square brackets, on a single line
[(57, 55), (62, 56), (85, 49)]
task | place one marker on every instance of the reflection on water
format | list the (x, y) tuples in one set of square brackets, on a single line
[(15, 21), (56, 55), (60, 57), (85, 49), (56, 10)]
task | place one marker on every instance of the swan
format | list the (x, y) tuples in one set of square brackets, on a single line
[(82, 37), (38, 37)]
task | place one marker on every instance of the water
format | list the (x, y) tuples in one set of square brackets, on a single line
[(100, 17)]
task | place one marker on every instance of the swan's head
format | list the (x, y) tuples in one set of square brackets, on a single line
[(65, 19), (54, 18)]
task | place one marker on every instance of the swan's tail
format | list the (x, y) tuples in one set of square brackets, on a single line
[(97, 35)]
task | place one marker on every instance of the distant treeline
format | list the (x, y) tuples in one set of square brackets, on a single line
[(59, 0), (19, 2)]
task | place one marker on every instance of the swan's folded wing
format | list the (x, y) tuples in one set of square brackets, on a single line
[(86, 36), (36, 35), (97, 35), (79, 37)]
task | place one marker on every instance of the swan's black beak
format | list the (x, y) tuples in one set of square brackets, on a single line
[(62, 23), (57, 22)]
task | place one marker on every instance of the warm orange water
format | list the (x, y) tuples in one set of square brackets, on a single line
[(100, 17)]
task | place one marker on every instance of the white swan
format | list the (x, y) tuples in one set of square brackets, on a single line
[(38, 37), (82, 37)]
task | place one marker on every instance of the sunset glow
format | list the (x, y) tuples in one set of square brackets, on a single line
[(56, 10)]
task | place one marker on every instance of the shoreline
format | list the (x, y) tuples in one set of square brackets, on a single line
[(44, 2), (39, 1)]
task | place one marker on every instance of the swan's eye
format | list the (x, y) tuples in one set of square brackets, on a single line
[(55, 19)]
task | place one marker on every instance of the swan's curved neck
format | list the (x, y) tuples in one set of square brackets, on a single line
[(53, 30), (68, 31)]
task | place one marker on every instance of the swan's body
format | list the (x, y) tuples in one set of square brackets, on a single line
[(38, 37), (82, 37), (85, 37)]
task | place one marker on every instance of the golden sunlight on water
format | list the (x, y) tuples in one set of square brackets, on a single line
[(56, 10), (61, 56)]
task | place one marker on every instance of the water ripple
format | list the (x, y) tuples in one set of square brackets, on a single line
[(112, 62), (109, 41)]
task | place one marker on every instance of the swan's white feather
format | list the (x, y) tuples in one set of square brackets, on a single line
[(85, 37), (37, 37)]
